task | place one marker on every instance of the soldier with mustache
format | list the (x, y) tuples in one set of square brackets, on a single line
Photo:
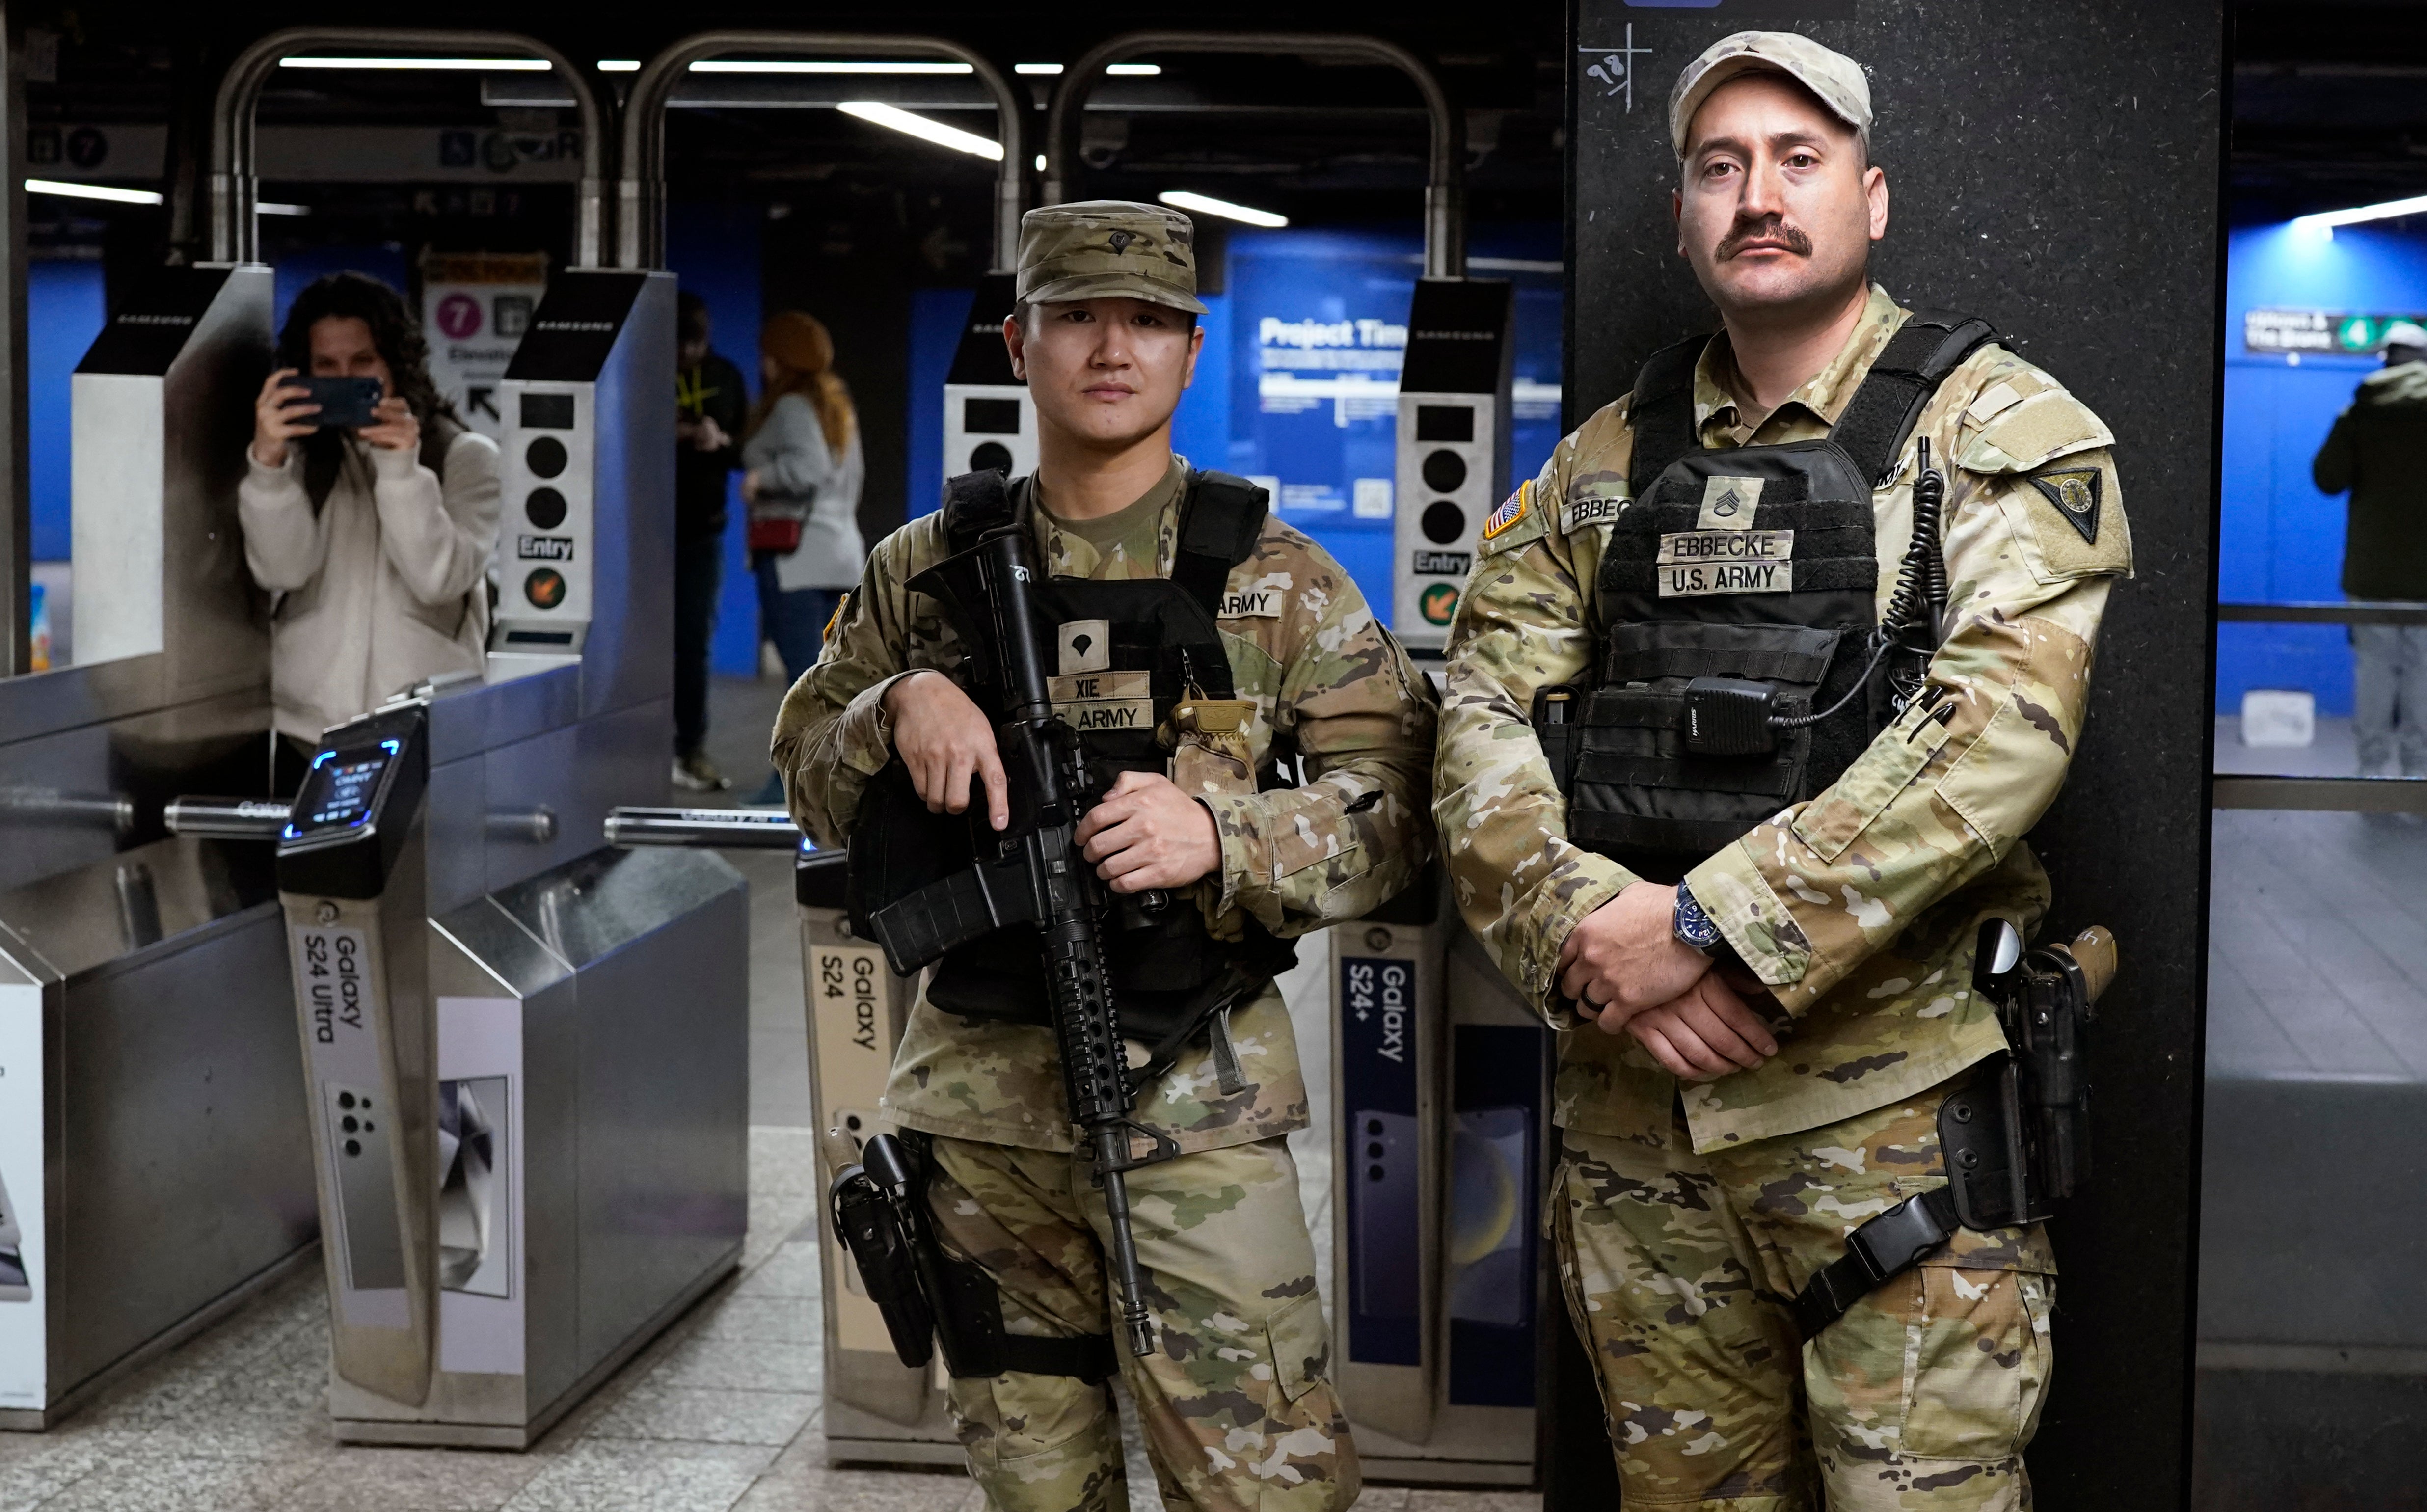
[(1753, 696)]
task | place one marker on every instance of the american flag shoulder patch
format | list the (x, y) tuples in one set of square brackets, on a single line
[(1511, 510)]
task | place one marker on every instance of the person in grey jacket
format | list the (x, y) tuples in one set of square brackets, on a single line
[(803, 471), (376, 538)]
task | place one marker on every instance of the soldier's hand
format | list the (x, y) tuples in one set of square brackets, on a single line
[(1149, 834), (1706, 1031), (1624, 956), (945, 741)]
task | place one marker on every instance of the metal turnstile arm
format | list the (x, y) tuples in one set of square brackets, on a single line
[(225, 818), (715, 829)]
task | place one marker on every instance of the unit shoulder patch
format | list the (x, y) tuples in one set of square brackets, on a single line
[(2074, 492)]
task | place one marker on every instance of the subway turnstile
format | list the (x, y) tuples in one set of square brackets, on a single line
[(1441, 1136), (527, 1059), (151, 1164), (529, 1112), (877, 1410)]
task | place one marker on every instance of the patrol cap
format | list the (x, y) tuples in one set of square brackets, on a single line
[(1835, 79), (1098, 248)]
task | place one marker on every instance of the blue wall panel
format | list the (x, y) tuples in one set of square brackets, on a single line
[(936, 317), (1317, 408), (2281, 540), (713, 249), (64, 312)]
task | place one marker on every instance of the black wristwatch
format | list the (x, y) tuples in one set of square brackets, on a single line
[(1693, 927)]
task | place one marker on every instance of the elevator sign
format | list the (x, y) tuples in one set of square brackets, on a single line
[(475, 309)]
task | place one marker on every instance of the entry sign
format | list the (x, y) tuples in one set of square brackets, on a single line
[(474, 307)]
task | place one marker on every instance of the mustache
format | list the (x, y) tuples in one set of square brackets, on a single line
[(1772, 227)]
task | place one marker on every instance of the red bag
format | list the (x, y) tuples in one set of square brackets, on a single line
[(778, 536)]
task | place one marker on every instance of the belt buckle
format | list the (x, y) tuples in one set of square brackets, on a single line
[(1895, 1239)]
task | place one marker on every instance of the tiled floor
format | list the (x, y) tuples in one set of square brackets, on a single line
[(722, 1411)]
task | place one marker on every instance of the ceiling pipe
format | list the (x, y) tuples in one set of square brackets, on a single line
[(235, 173), (641, 191), (1444, 182)]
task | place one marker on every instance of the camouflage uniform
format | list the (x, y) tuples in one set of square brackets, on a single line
[(1686, 1214), (1239, 1411)]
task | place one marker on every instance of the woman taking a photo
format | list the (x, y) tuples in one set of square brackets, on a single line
[(801, 476), (376, 535)]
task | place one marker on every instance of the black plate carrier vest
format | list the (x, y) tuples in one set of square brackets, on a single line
[(1755, 563), (1165, 974)]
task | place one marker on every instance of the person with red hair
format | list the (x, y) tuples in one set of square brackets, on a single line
[(804, 472)]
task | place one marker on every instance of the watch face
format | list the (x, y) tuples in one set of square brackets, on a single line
[(1692, 925)]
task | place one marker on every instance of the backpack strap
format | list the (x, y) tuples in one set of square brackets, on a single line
[(1875, 422), (1221, 519), (975, 503), (1661, 416)]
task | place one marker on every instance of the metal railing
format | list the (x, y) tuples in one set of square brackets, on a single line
[(2344, 612), (2327, 795), (641, 187), (235, 173), (1446, 176)]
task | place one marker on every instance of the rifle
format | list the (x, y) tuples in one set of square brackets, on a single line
[(1032, 872)]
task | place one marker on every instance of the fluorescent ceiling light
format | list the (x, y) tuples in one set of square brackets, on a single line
[(619, 65), (2323, 223), (1137, 70), (755, 65), (1040, 162), (91, 191), (272, 208), (926, 130), (1207, 204), (482, 65)]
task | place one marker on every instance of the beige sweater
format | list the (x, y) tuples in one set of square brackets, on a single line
[(386, 586)]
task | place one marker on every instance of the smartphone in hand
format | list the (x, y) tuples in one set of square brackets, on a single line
[(346, 404)]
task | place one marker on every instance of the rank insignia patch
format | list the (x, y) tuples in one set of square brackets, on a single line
[(1511, 510), (2075, 493)]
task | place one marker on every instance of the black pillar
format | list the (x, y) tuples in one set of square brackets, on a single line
[(2054, 167)]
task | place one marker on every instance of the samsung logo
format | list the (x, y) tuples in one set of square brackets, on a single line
[(573, 325), (156, 320), (1458, 335)]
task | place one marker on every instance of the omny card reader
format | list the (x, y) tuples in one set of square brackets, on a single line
[(368, 1034)]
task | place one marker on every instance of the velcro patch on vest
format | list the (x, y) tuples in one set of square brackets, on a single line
[(1684, 547), (1251, 603), (1090, 715), (2075, 493), (1694, 581), (1084, 645), (1728, 503), (1583, 513), (1089, 687)]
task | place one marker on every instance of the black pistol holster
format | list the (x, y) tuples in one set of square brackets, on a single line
[(879, 1207), (2015, 1138)]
